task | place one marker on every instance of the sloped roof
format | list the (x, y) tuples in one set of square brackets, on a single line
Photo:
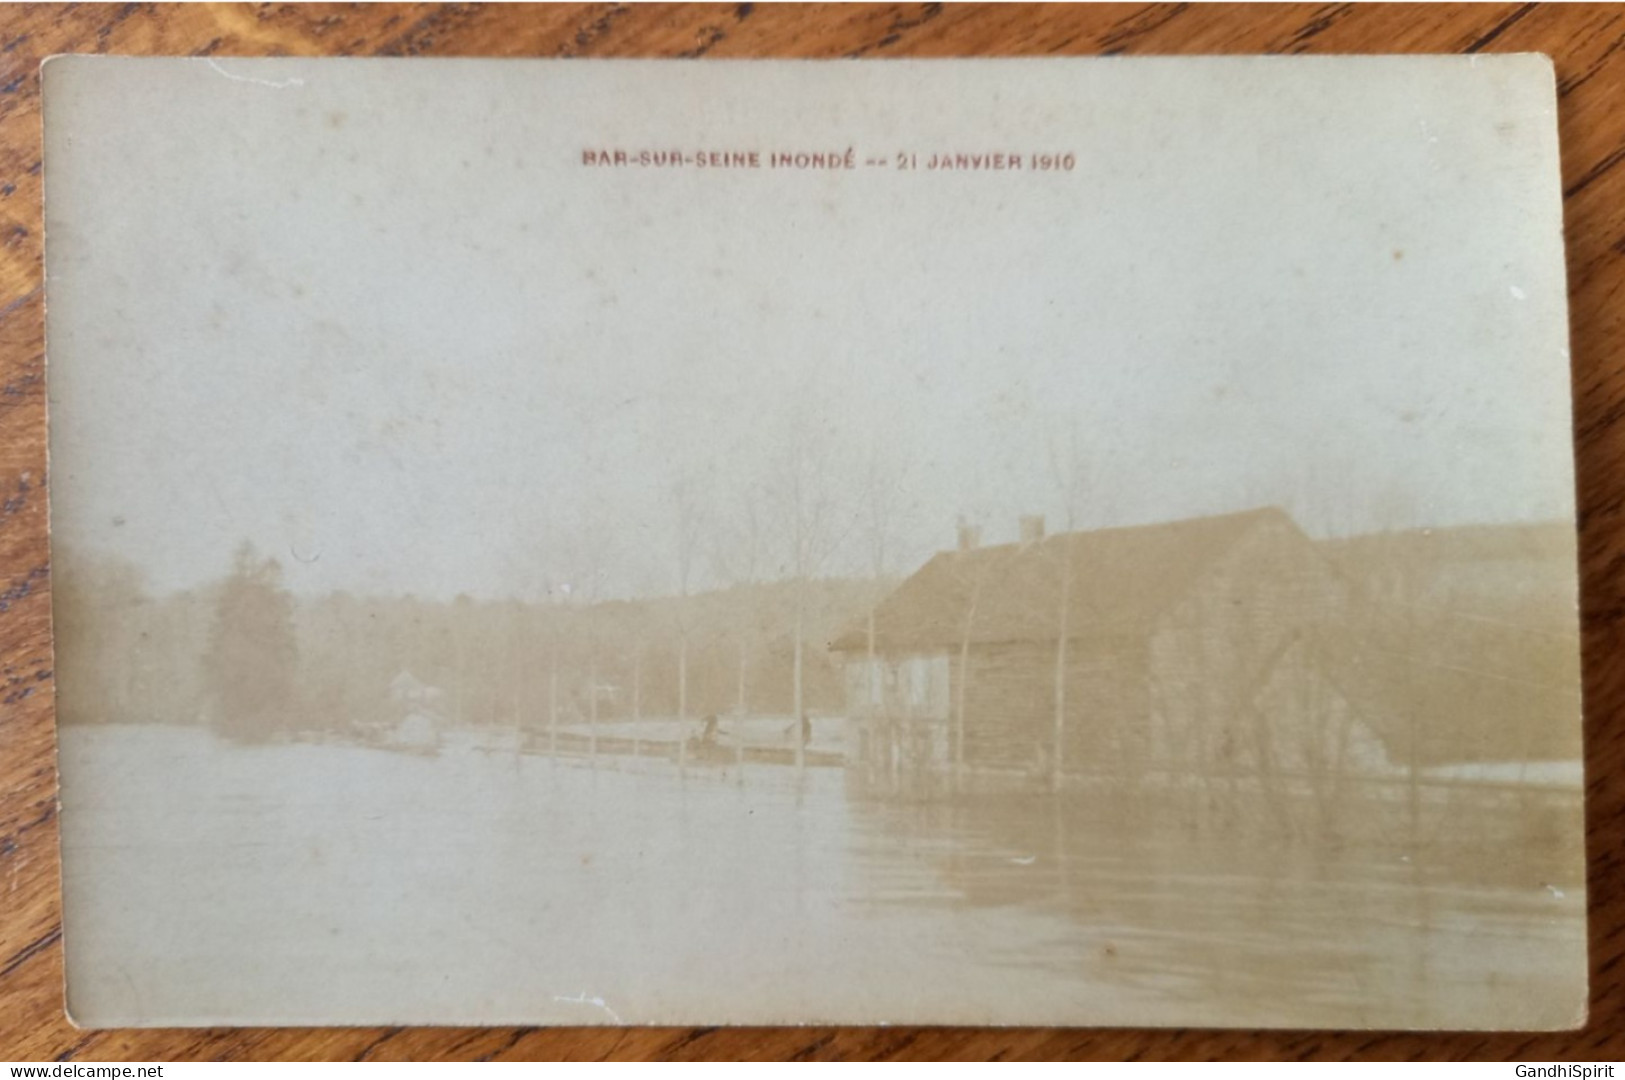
[(1452, 545), (1451, 664), (1122, 579), (1523, 570), (1445, 687)]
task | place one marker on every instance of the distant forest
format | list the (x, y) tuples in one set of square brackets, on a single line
[(249, 658)]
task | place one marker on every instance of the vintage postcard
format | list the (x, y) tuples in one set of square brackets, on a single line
[(986, 542)]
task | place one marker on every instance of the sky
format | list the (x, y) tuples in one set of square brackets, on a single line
[(377, 318)]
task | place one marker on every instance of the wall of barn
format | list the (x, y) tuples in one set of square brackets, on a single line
[(1010, 704), (1234, 688)]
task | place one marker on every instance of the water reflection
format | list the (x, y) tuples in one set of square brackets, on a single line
[(1239, 925), (299, 882)]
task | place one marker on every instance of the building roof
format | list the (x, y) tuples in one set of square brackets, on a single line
[(1452, 545), (1465, 644), (1443, 687), (1122, 579)]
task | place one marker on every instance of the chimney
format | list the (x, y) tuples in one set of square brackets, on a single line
[(1032, 528), (970, 536)]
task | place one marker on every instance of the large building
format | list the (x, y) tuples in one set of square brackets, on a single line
[(1198, 647)]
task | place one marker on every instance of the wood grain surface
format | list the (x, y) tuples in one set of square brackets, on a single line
[(1588, 45)]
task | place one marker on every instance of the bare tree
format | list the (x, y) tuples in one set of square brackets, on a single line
[(637, 698), (686, 536), (559, 594), (535, 589), (463, 625), (543, 597), (518, 638), (560, 591), (973, 574), (589, 558), (809, 514), (737, 553), (1069, 470), (883, 482)]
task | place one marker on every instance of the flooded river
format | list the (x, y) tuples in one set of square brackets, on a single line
[(214, 882)]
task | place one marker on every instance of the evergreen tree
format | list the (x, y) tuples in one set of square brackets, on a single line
[(249, 669)]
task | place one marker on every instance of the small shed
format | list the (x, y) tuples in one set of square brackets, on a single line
[(1181, 648)]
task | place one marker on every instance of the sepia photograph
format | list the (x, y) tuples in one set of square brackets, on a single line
[(1000, 542)]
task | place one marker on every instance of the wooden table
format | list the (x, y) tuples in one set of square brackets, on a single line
[(1588, 44)]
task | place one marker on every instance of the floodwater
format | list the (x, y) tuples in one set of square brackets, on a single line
[(214, 883)]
